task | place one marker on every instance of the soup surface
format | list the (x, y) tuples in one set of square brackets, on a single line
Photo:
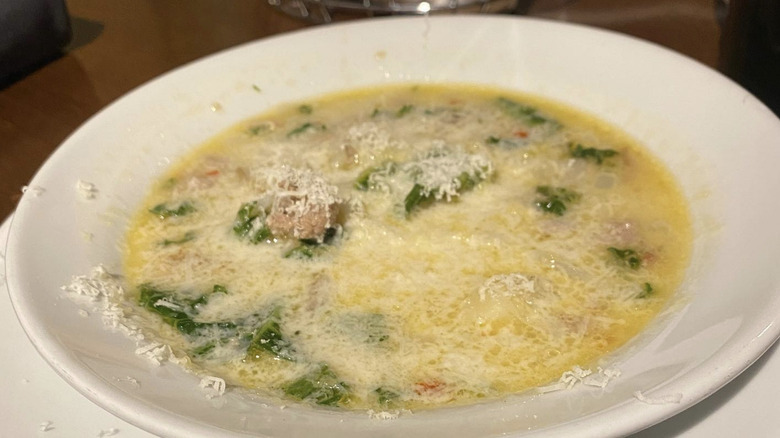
[(407, 247)]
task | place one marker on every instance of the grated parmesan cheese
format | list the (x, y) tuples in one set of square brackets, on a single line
[(663, 400), (105, 293), (132, 381), (46, 426), (214, 386), (86, 190), (382, 415), (156, 352), (437, 171), (35, 191), (97, 285), (601, 378), (506, 285), (579, 376), (574, 376), (375, 141)]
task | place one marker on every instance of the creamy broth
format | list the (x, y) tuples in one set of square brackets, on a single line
[(407, 247)]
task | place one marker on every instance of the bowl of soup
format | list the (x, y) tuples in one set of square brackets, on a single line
[(439, 226)]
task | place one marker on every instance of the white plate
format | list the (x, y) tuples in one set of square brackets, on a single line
[(721, 143)]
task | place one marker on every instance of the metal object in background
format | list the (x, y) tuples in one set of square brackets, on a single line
[(325, 11)]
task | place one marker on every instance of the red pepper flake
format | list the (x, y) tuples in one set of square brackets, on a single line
[(521, 134), (429, 387), (212, 172)]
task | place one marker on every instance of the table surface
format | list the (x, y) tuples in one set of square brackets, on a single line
[(121, 44)]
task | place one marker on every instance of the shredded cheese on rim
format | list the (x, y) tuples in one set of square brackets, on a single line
[(46, 426), (214, 386), (662, 400), (104, 292), (36, 191), (86, 190), (585, 377)]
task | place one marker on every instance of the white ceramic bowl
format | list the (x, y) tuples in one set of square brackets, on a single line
[(720, 142)]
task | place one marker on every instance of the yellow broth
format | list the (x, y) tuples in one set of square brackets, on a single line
[(499, 286)]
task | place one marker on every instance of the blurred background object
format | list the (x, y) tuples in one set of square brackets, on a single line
[(750, 47), (326, 11), (32, 32)]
